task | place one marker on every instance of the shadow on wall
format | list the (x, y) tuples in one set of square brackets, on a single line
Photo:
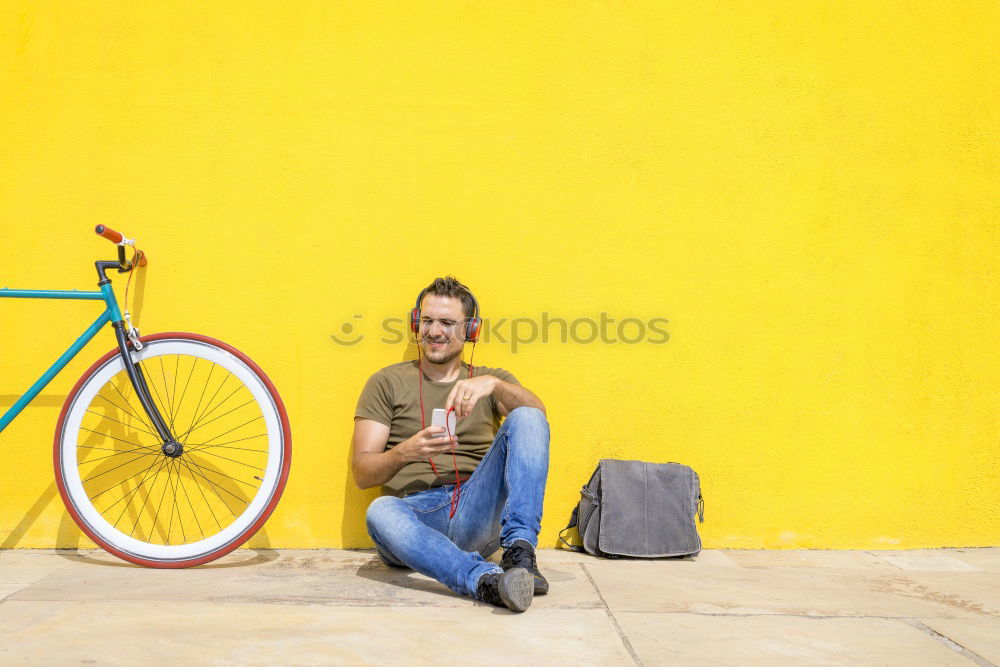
[(67, 532), (69, 535), (354, 532)]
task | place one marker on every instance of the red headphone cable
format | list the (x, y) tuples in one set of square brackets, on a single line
[(456, 494)]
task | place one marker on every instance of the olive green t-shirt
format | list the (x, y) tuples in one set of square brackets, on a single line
[(392, 397)]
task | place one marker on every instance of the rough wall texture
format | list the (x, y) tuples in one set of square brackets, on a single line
[(805, 190)]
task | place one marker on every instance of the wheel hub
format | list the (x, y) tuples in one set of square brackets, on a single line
[(172, 448)]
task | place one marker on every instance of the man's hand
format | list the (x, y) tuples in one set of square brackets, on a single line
[(423, 445), (466, 393), (373, 465)]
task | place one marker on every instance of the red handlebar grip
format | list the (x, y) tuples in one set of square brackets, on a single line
[(108, 233)]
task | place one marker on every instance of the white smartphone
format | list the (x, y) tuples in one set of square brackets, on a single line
[(437, 419)]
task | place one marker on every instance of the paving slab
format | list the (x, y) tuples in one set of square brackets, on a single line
[(802, 591), (711, 557), (931, 563), (560, 556), (706, 557), (972, 594), (679, 639), (852, 560), (6, 590), (754, 558), (986, 559), (357, 579), (293, 634), (981, 636), (19, 567)]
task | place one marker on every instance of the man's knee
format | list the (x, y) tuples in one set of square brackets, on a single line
[(530, 417), (381, 512), (531, 431), (380, 519)]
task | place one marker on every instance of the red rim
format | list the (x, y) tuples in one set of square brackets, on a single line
[(243, 537)]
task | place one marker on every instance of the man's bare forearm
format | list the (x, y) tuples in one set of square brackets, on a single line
[(376, 468), (515, 396)]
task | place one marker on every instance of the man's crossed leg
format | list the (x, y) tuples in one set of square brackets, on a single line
[(500, 503)]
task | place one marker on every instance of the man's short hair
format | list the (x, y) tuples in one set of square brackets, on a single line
[(450, 286)]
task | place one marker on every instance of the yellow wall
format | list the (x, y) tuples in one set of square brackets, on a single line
[(806, 190)]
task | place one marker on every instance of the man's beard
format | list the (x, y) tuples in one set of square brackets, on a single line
[(442, 356)]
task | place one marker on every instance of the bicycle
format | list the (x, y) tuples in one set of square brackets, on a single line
[(150, 473)]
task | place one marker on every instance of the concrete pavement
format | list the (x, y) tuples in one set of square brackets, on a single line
[(939, 607)]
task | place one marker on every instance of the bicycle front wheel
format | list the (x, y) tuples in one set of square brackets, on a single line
[(162, 510)]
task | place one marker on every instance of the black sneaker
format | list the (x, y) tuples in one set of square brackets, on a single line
[(511, 589), (522, 554)]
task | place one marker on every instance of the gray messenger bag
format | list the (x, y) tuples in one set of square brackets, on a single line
[(640, 510)]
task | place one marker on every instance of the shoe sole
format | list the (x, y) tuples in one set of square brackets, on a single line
[(517, 588), (541, 585)]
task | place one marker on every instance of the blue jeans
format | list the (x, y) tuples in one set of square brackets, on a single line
[(500, 503)]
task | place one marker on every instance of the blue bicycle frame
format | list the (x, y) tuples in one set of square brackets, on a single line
[(111, 314)]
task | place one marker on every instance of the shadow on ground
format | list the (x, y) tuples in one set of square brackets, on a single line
[(377, 571)]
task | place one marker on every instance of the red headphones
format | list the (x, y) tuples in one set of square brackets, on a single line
[(472, 325)]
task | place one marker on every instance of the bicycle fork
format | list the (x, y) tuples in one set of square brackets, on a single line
[(171, 446)]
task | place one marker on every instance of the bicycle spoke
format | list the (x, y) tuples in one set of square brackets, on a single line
[(173, 508), (180, 519), (250, 421), (222, 474), (152, 385), (141, 456), (117, 453), (149, 492), (107, 449), (198, 418), (242, 449), (233, 460), (97, 414), (201, 421), (229, 442), (117, 407), (188, 382), (226, 413), (177, 365), (197, 407), (152, 526), (132, 493), (127, 402), (180, 481), (215, 488), (204, 497), (166, 392), (145, 470), (225, 445), (105, 435)]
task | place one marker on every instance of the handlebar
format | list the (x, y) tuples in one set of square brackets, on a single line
[(119, 239), (109, 234)]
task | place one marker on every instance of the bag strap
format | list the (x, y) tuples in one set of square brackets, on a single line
[(575, 516), (572, 522)]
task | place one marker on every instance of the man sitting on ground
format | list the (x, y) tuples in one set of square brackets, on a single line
[(502, 468)]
